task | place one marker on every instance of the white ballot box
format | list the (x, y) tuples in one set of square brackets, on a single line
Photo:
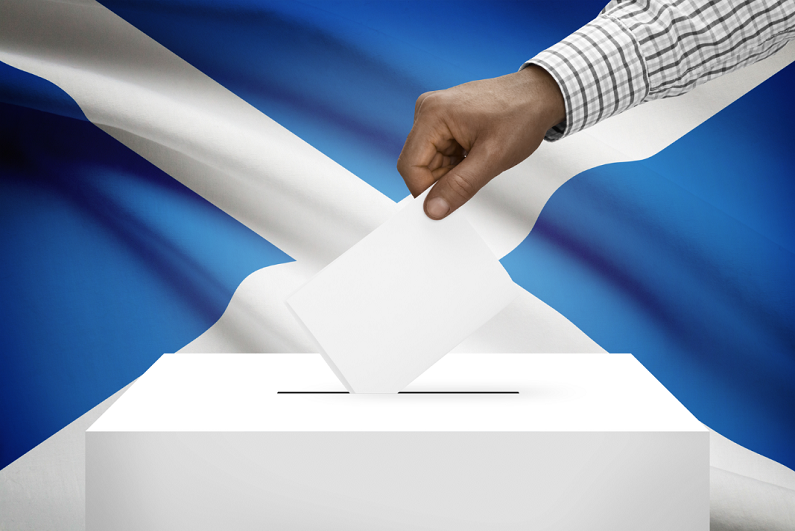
[(478, 442)]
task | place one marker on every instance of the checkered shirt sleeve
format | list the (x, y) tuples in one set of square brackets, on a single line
[(640, 50)]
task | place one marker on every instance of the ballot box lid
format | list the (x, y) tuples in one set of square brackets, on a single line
[(460, 393)]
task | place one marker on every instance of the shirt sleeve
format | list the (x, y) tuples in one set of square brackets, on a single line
[(640, 50)]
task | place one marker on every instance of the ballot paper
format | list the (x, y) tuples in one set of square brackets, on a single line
[(401, 298)]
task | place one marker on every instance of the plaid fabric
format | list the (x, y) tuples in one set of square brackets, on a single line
[(640, 50)]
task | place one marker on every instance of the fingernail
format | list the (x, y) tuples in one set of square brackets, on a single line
[(437, 208)]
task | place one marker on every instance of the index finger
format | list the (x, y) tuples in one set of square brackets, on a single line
[(414, 162)]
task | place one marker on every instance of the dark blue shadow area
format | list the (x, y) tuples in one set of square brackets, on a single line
[(105, 263), (344, 76), (25, 90), (686, 260)]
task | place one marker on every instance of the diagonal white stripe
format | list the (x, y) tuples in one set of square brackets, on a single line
[(45, 489), (287, 192), (193, 128), (506, 209)]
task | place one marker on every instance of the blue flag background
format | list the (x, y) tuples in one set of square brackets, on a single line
[(685, 260)]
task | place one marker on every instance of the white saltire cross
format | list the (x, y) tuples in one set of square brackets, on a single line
[(304, 203)]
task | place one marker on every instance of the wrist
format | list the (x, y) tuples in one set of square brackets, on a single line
[(543, 96)]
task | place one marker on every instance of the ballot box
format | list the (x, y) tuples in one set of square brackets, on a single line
[(478, 442)]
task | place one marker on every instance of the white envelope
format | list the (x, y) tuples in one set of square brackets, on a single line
[(401, 298)]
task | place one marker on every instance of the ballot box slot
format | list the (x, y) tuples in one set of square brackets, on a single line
[(312, 392), (403, 392), (458, 392)]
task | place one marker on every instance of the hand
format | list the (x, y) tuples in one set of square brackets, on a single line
[(466, 135)]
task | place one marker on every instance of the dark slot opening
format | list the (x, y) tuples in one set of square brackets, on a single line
[(311, 392), (458, 393), (404, 392)]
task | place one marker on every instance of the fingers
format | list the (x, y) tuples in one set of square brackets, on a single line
[(418, 105), (429, 153), (460, 183), (414, 162), (444, 161), (431, 150)]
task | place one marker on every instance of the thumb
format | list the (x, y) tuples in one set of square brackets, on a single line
[(459, 184)]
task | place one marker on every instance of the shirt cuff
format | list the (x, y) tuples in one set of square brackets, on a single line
[(600, 71)]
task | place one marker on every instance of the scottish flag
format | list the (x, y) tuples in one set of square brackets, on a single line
[(171, 170)]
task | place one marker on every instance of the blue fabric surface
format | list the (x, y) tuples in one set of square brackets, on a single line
[(105, 264), (685, 260)]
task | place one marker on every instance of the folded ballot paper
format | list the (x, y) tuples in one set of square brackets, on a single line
[(401, 298)]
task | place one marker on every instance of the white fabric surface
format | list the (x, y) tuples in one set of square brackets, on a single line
[(313, 209)]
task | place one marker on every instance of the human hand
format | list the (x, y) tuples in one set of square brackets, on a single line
[(465, 136)]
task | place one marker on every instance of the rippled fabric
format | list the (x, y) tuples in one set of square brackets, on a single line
[(685, 260), (326, 74), (106, 262)]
